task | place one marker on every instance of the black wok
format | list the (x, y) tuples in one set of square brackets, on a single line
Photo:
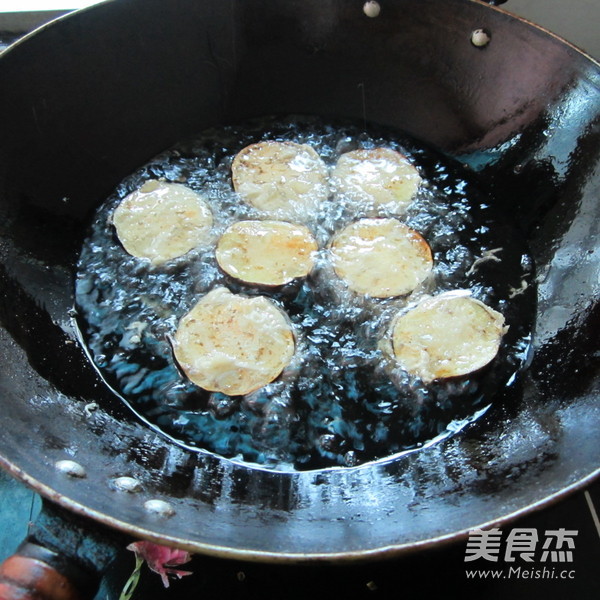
[(92, 96)]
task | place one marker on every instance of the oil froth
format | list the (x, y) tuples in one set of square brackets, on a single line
[(339, 401)]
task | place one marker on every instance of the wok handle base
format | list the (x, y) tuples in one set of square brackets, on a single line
[(36, 573)]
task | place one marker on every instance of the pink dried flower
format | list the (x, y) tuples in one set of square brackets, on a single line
[(161, 559)]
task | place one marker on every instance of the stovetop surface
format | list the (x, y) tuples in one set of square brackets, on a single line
[(424, 574)]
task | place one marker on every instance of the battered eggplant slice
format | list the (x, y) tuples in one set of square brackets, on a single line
[(161, 221), (284, 180), (233, 344), (377, 177), (381, 257), (266, 252), (448, 335)]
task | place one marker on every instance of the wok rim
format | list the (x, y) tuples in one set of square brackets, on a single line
[(250, 555), (499, 9)]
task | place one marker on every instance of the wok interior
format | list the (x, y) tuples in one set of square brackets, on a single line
[(95, 95)]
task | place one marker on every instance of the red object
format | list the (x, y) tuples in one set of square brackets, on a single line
[(23, 578), (162, 559)]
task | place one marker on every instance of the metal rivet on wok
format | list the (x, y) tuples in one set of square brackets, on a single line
[(372, 8), (127, 484), (70, 468), (159, 507), (480, 38)]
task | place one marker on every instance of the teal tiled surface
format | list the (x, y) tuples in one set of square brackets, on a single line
[(18, 506)]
